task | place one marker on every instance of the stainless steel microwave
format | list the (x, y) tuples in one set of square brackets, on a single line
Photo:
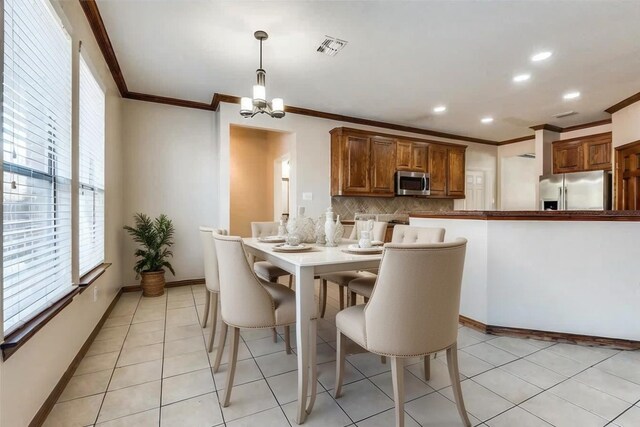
[(412, 184)]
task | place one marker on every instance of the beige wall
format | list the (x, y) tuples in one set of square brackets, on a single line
[(253, 153), (626, 125), (170, 168), (27, 378)]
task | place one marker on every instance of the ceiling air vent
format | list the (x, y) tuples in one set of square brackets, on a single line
[(565, 114), (331, 46)]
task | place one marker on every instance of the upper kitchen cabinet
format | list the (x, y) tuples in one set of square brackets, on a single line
[(447, 170), (581, 154), (362, 164), (411, 156)]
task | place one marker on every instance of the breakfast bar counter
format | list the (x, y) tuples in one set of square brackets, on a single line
[(549, 273)]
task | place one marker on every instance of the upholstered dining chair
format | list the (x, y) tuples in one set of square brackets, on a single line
[(343, 278), (249, 302), (363, 286), (211, 281), (413, 311), (264, 269)]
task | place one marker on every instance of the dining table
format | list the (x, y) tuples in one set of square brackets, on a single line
[(306, 266)]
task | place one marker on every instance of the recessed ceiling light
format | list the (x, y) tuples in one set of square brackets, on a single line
[(521, 78), (440, 109), (487, 120), (541, 56), (571, 95)]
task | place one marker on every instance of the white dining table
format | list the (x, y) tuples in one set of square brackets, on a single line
[(305, 266)]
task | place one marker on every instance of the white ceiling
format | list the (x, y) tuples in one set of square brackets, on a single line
[(403, 58)]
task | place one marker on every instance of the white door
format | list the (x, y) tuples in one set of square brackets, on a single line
[(475, 191)]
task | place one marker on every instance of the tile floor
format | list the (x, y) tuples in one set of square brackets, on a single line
[(149, 367)]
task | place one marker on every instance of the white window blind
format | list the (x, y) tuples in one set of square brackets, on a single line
[(36, 137), (91, 177)]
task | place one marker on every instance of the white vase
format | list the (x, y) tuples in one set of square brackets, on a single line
[(329, 228), (338, 232), (320, 236)]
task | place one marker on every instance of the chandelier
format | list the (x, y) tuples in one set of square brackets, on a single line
[(249, 107)]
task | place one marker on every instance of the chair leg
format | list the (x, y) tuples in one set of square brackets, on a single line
[(383, 359), (221, 341), (287, 339), (454, 374), (397, 377), (214, 320), (275, 335), (290, 281), (340, 353), (323, 298), (231, 371), (427, 367), (207, 301), (352, 299), (342, 292), (313, 365)]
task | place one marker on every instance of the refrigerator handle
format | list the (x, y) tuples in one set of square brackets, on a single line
[(560, 198), (564, 197)]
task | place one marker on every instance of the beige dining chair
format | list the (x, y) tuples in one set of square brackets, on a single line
[(246, 301), (343, 278), (363, 286), (264, 269), (211, 279), (413, 311)]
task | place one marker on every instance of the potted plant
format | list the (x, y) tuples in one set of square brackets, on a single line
[(155, 237)]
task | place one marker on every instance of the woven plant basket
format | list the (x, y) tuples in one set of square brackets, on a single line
[(152, 283)]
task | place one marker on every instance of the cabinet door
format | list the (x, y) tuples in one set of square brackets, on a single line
[(419, 155), (356, 165), (597, 153), (567, 157), (456, 175), (438, 169), (403, 155), (383, 165)]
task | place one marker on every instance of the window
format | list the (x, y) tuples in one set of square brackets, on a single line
[(36, 166), (91, 175)]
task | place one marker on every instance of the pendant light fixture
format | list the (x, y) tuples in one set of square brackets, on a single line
[(249, 107)]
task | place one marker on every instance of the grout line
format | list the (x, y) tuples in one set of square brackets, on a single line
[(164, 336), (116, 362)]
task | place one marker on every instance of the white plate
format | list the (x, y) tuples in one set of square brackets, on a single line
[(355, 249), (283, 247), (272, 239)]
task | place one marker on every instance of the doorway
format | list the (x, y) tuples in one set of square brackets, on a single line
[(475, 190), (258, 159)]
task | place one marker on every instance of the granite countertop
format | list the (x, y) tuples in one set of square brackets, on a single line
[(533, 215)]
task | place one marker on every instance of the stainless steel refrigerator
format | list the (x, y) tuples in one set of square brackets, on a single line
[(576, 191)]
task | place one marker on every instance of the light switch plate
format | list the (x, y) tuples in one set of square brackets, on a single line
[(307, 196)]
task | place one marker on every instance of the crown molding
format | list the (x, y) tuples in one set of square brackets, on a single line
[(624, 103), (587, 125), (547, 126), (169, 101), (514, 140)]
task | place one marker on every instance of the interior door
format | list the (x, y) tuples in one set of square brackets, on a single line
[(475, 191), (628, 176)]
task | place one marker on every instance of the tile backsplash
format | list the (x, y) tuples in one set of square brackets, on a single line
[(347, 207)]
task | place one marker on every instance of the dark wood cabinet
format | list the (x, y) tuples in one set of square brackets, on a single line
[(456, 172), (627, 185), (581, 154), (438, 164), (411, 156), (383, 162), (364, 163)]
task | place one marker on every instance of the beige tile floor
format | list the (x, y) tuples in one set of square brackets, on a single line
[(149, 367)]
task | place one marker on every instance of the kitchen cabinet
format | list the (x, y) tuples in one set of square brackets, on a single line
[(364, 163), (582, 154), (438, 169), (411, 156), (447, 170), (383, 162)]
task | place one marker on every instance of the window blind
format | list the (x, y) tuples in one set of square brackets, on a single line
[(36, 137), (91, 176)]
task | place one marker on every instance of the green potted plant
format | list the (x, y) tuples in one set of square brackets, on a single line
[(155, 237)]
